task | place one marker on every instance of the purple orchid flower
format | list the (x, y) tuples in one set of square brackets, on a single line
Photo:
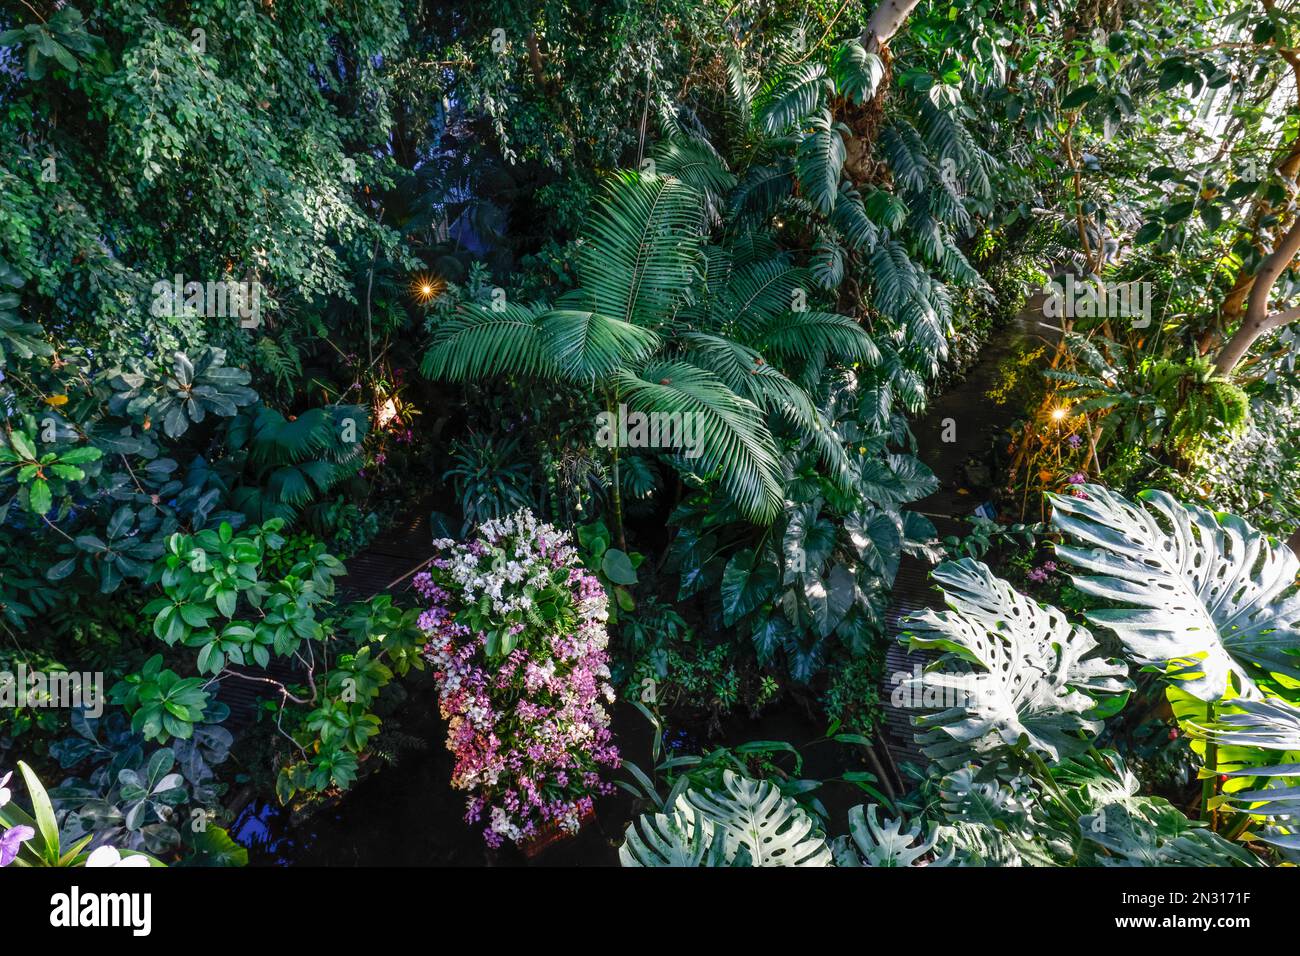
[(11, 841)]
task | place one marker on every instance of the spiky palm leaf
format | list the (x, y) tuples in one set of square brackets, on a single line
[(588, 346), (479, 341), (762, 190), (695, 163), (809, 336), (797, 94), (747, 374), (734, 439), (640, 249), (894, 277), (906, 154), (758, 292), (819, 163), (851, 219)]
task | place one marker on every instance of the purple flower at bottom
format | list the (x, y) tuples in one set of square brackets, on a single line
[(10, 842)]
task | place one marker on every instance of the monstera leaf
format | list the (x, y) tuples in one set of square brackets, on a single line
[(1206, 596), (683, 838), (1271, 724), (976, 844), (746, 823), (892, 843), (758, 824), (1011, 806), (1147, 831), (1275, 797), (1024, 672)]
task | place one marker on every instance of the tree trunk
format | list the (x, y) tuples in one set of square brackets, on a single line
[(885, 22), (1257, 320)]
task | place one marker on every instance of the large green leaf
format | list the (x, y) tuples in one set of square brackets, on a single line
[(640, 248), (1025, 671), (480, 341), (733, 439), (683, 838), (892, 843), (587, 346), (749, 580), (757, 818), (1204, 596), (819, 163)]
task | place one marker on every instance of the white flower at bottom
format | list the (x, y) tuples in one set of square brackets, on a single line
[(108, 856)]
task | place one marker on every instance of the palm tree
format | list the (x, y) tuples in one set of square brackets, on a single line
[(664, 321)]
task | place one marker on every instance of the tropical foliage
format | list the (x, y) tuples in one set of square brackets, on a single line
[(623, 360)]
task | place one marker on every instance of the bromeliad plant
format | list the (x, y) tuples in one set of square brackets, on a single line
[(516, 636)]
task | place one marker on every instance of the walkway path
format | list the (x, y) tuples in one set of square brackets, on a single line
[(979, 424)]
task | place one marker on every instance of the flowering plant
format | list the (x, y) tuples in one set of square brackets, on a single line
[(516, 637)]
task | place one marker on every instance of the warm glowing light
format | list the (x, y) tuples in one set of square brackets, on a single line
[(387, 412), (426, 288), (1058, 414)]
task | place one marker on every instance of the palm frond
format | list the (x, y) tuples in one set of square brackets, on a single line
[(587, 346), (796, 96), (695, 163), (819, 163), (640, 248), (811, 335), (479, 341), (733, 439)]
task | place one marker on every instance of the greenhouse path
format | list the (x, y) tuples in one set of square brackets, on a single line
[(965, 469)]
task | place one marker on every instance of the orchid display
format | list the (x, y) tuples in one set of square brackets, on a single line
[(517, 640)]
